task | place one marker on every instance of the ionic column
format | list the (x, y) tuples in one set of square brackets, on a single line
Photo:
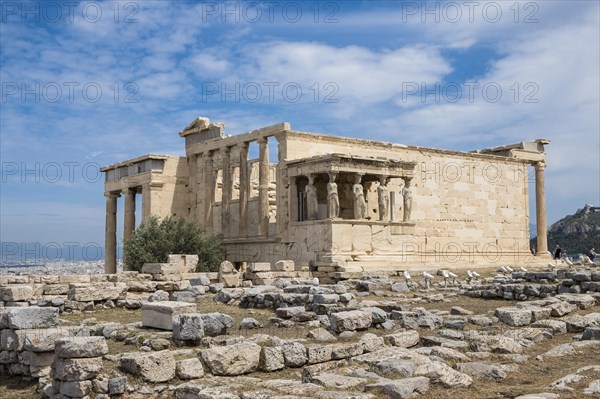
[(540, 209), (244, 189), (110, 243), (263, 187), (129, 225), (209, 191), (225, 192), (199, 193)]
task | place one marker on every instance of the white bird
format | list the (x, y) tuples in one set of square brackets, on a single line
[(470, 274), (503, 269), (568, 262), (476, 275), (510, 270), (551, 265), (445, 274), (452, 275), (427, 276), (523, 269), (406, 275)]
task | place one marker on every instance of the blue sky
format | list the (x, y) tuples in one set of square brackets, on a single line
[(95, 83)]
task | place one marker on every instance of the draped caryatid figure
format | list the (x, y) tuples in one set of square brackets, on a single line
[(360, 205), (333, 200)]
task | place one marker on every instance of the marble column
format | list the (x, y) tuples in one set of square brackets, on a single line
[(263, 187), (209, 191), (110, 243), (129, 223), (198, 188), (407, 198), (244, 189), (540, 209), (225, 192)]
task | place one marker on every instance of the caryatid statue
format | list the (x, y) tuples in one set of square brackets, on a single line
[(383, 198), (360, 206), (407, 195), (312, 204), (333, 200)]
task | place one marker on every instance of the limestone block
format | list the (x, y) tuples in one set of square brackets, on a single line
[(30, 317), (403, 339), (232, 360), (284, 266), (350, 320), (75, 278), (43, 340), (160, 314), (37, 359), (347, 349), (294, 354), (259, 267), (56, 289), (96, 292), (117, 385), (76, 389), (188, 327), (152, 367), (189, 369), (319, 353), (216, 323), (271, 358), (160, 268), (402, 388), (514, 316), (16, 293), (76, 369), (78, 347)]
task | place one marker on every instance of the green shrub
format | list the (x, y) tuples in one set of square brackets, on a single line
[(154, 240)]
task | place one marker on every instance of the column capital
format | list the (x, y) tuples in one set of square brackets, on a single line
[(262, 140), (540, 165), (243, 144), (111, 194)]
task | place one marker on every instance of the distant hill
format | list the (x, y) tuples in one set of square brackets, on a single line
[(576, 233)]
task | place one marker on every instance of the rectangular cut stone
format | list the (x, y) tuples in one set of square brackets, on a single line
[(75, 278), (160, 314), (76, 369), (284, 266), (43, 340), (31, 317), (160, 268), (96, 292), (56, 289), (259, 267), (16, 293)]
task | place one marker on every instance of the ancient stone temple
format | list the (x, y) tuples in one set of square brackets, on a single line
[(338, 205)]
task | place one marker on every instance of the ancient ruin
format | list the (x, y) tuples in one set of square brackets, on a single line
[(336, 205)]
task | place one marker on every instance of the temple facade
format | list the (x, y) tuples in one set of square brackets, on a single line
[(338, 205)]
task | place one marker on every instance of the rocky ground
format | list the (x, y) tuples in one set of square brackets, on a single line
[(373, 337)]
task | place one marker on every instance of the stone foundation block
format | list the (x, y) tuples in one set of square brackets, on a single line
[(160, 314)]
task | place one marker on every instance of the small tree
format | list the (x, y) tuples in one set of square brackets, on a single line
[(154, 240)]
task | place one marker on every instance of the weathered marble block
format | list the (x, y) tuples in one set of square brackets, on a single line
[(20, 318), (96, 292), (160, 314), (16, 293)]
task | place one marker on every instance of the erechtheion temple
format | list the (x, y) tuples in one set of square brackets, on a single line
[(338, 205)]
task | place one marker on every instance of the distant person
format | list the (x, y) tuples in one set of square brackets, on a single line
[(557, 252), (592, 254)]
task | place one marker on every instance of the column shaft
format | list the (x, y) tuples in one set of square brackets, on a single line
[(129, 225), (540, 209), (244, 190), (225, 193), (110, 243), (263, 187), (209, 192), (199, 188)]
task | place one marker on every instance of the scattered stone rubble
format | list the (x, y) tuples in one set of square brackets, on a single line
[(371, 337)]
